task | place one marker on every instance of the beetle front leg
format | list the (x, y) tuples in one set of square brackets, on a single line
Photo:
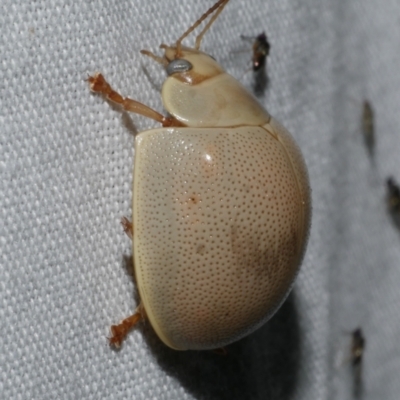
[(120, 331), (99, 85)]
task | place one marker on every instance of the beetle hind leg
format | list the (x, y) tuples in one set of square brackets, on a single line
[(120, 331)]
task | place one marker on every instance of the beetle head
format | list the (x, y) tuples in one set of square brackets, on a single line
[(190, 65)]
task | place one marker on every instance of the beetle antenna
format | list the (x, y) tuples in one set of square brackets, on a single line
[(160, 60), (219, 6), (214, 17)]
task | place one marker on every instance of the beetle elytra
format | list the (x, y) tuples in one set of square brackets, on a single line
[(221, 204)]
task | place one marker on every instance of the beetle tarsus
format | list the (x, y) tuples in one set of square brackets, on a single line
[(128, 227), (120, 331)]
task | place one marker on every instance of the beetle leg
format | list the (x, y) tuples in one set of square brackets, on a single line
[(128, 226), (99, 85), (120, 331)]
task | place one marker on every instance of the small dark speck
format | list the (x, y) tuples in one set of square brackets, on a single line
[(200, 249)]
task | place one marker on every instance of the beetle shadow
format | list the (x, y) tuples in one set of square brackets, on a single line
[(128, 123), (263, 365), (395, 220), (127, 261)]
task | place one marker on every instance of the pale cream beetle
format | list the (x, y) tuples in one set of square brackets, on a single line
[(221, 205)]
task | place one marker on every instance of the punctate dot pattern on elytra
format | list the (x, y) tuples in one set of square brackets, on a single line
[(218, 231)]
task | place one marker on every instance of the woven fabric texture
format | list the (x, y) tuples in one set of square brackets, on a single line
[(66, 171)]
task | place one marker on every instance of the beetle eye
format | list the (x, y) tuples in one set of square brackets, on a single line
[(178, 65)]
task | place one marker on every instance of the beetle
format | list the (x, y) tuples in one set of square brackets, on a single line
[(221, 204)]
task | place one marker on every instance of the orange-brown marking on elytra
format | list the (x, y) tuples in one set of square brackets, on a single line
[(200, 249), (253, 259), (194, 199)]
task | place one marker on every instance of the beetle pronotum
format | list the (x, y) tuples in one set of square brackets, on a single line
[(221, 204)]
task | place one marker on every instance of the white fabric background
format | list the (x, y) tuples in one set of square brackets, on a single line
[(66, 171)]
